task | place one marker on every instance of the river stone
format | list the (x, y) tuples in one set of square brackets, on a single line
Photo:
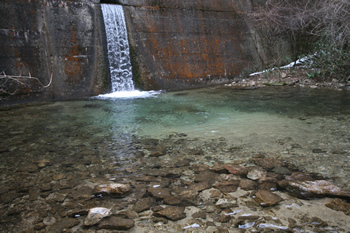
[(115, 189), (172, 200), (255, 174), (95, 215), (159, 192), (199, 186), (300, 176), (226, 203), (313, 188), (246, 184), (227, 186), (210, 195), (236, 169), (282, 170), (268, 163), (206, 176), (172, 212), (116, 223), (63, 225), (143, 204), (218, 168), (267, 198)]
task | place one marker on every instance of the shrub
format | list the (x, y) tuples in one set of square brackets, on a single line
[(327, 22)]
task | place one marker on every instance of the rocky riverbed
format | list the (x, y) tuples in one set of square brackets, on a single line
[(176, 184), (206, 160)]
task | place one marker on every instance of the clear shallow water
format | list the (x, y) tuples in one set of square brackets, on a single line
[(291, 123), (89, 142)]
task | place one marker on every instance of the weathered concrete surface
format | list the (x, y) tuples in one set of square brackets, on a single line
[(184, 44), (62, 39), (175, 44)]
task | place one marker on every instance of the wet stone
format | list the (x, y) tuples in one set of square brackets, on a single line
[(159, 192), (309, 189), (246, 184), (172, 212), (267, 163), (116, 223), (172, 200), (206, 176), (267, 198), (95, 215), (199, 186), (143, 204), (226, 203), (218, 168), (200, 214), (300, 176), (210, 195), (236, 169), (268, 186), (227, 186), (282, 170), (255, 174), (63, 225), (115, 189)]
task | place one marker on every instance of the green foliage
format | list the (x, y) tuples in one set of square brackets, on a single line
[(329, 61)]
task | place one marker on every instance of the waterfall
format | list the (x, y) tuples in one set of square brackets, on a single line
[(118, 48)]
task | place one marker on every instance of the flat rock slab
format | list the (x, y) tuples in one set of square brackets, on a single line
[(308, 189), (267, 198), (116, 223), (172, 212)]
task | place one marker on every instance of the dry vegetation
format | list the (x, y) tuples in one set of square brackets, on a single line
[(327, 22)]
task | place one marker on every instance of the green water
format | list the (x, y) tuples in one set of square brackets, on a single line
[(310, 128)]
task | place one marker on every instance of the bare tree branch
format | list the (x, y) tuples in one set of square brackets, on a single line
[(20, 81)]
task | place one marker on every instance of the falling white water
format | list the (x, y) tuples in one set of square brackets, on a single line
[(118, 48)]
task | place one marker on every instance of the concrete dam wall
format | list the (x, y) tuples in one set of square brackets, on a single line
[(175, 44)]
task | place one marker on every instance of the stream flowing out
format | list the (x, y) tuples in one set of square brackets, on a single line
[(101, 138)]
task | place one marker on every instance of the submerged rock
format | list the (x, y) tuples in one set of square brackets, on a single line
[(116, 223), (95, 215), (256, 174), (172, 212), (314, 188), (226, 203), (267, 198), (236, 169), (112, 189), (143, 204)]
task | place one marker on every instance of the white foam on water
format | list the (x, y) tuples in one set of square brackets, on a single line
[(129, 94)]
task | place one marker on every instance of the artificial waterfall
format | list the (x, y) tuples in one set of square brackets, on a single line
[(117, 48)]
